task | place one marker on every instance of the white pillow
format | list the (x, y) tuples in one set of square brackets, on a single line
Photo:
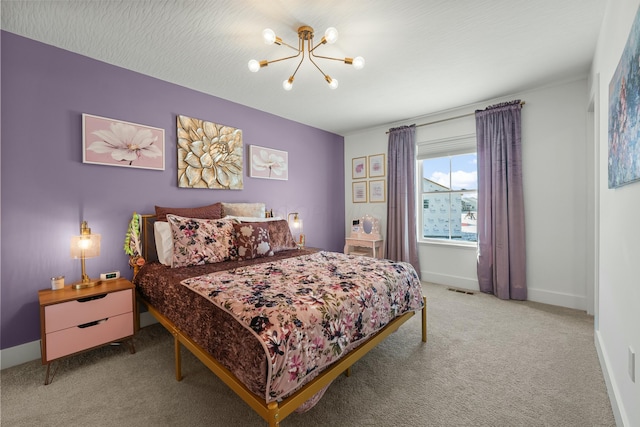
[(164, 242), (252, 218), (244, 209)]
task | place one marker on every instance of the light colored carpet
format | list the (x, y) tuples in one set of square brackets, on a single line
[(487, 362)]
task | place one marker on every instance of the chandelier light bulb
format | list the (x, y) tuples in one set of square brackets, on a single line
[(254, 66), (333, 84), (288, 84), (331, 35), (269, 36), (358, 62)]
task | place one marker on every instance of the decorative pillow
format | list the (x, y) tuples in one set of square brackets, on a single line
[(201, 241), (252, 240), (213, 211), (164, 242), (280, 235), (243, 209)]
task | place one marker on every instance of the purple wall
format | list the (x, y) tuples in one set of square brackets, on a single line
[(47, 190)]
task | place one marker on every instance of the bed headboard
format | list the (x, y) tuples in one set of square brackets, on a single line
[(147, 238)]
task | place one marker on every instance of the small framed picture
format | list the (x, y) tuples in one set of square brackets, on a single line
[(377, 190), (376, 165), (359, 167), (359, 194), (268, 163)]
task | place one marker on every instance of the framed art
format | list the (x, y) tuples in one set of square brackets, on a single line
[(624, 114), (210, 155), (377, 191), (118, 143), (268, 163), (376, 165), (358, 167), (359, 191)]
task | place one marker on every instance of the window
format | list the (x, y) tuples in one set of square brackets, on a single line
[(448, 191)]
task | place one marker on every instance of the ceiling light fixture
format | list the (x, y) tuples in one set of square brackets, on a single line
[(305, 33)]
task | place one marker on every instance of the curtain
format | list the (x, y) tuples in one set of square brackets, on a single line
[(402, 241), (501, 233)]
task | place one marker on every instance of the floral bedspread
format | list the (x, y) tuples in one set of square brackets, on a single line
[(308, 311)]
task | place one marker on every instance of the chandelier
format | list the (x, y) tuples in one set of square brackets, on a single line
[(305, 34)]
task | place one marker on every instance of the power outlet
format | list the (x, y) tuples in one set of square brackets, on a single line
[(632, 365)]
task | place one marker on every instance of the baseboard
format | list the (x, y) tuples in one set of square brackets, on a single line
[(448, 280), (579, 302), (19, 354), (27, 352), (612, 389)]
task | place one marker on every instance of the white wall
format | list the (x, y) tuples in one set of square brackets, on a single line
[(618, 310), (554, 121)]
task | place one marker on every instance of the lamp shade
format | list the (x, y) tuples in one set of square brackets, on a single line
[(85, 246)]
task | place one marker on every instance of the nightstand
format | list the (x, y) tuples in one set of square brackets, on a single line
[(75, 320)]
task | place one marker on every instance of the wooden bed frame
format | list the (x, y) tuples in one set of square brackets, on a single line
[(274, 412)]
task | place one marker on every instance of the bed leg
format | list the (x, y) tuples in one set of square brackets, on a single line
[(347, 373), (176, 343), (424, 319), (274, 416)]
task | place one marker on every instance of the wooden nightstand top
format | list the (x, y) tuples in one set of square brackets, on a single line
[(68, 293)]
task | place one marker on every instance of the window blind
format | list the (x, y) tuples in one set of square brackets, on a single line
[(452, 146)]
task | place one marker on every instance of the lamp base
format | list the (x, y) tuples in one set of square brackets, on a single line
[(89, 284)]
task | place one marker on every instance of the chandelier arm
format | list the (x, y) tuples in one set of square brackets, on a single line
[(320, 43), (283, 59), (298, 67), (314, 63), (328, 57), (300, 50), (288, 45)]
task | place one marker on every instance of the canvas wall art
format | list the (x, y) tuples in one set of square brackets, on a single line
[(268, 163), (624, 111), (210, 155), (118, 143)]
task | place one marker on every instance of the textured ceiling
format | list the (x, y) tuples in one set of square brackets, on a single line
[(422, 56)]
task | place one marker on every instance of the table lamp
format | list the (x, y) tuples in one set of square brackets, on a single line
[(84, 246), (295, 224)]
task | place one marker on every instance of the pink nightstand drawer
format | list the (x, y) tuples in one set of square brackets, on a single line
[(94, 333), (84, 310)]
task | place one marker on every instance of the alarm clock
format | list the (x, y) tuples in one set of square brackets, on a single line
[(111, 275)]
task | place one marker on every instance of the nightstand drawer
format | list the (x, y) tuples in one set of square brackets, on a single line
[(92, 334), (84, 310)]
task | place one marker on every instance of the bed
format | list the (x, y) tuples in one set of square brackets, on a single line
[(277, 323)]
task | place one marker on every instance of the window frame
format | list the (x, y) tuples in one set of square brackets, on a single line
[(446, 147)]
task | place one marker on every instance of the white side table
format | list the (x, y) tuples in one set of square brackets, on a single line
[(354, 245)]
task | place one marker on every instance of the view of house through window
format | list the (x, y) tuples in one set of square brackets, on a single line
[(450, 197)]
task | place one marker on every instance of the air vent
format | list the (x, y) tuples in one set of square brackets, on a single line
[(462, 291)]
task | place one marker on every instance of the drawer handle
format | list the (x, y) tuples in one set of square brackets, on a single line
[(95, 297), (94, 323)]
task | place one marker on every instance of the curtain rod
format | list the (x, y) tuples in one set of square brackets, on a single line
[(451, 118)]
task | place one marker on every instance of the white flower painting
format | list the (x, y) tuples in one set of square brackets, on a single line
[(117, 143), (269, 163)]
